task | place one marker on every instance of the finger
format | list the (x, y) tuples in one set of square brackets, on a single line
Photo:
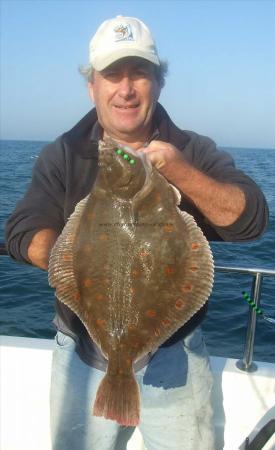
[(156, 159), (141, 149), (146, 150)]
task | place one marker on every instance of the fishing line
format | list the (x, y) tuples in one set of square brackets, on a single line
[(256, 308)]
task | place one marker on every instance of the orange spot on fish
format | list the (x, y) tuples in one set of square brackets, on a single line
[(100, 322), (120, 371), (166, 322), (67, 257), (77, 296), (128, 362), (194, 268), (158, 197), (132, 290), (151, 313), (187, 287), (70, 238), (169, 270), (87, 282), (100, 297), (168, 228), (135, 273), (103, 237), (179, 304), (195, 245), (143, 253), (135, 344)]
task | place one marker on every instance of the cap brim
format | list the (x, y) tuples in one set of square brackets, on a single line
[(102, 62)]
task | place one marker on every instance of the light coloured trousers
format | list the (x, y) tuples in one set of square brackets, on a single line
[(175, 389)]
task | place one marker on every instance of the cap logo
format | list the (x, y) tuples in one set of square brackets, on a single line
[(123, 33)]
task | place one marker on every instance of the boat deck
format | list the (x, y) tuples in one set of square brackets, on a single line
[(244, 402)]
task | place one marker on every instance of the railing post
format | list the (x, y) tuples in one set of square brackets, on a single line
[(246, 363)]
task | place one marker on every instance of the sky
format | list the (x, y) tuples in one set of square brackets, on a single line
[(221, 56)]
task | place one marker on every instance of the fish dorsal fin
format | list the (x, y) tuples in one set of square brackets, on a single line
[(61, 273), (187, 292), (197, 275)]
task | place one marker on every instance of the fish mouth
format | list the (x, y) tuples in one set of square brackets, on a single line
[(122, 175), (125, 182)]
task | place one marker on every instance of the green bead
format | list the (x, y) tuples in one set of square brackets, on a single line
[(119, 151), (125, 156), (132, 161)]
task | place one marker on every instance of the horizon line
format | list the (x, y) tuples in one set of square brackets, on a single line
[(218, 145)]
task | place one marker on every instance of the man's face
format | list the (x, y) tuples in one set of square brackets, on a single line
[(125, 95)]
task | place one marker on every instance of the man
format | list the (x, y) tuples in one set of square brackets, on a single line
[(125, 77)]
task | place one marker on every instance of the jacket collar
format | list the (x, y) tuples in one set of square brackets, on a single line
[(83, 137)]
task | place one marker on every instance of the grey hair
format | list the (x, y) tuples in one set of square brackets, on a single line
[(161, 72)]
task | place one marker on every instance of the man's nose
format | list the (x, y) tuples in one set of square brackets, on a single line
[(126, 87)]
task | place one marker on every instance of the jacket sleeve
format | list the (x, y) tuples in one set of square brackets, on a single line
[(42, 205), (203, 154)]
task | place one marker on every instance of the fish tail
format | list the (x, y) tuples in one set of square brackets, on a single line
[(118, 399)]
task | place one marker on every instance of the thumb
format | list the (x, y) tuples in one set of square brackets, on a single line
[(157, 159)]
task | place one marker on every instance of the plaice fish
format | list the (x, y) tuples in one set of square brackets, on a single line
[(133, 267)]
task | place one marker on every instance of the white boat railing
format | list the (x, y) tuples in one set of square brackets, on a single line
[(246, 363)]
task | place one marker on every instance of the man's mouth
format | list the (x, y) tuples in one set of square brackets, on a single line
[(126, 106)]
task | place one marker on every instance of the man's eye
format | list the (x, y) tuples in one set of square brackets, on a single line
[(141, 73), (110, 75)]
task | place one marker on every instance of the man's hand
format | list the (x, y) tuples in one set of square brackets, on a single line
[(162, 154), (220, 203)]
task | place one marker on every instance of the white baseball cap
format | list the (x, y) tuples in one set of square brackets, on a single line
[(121, 37)]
